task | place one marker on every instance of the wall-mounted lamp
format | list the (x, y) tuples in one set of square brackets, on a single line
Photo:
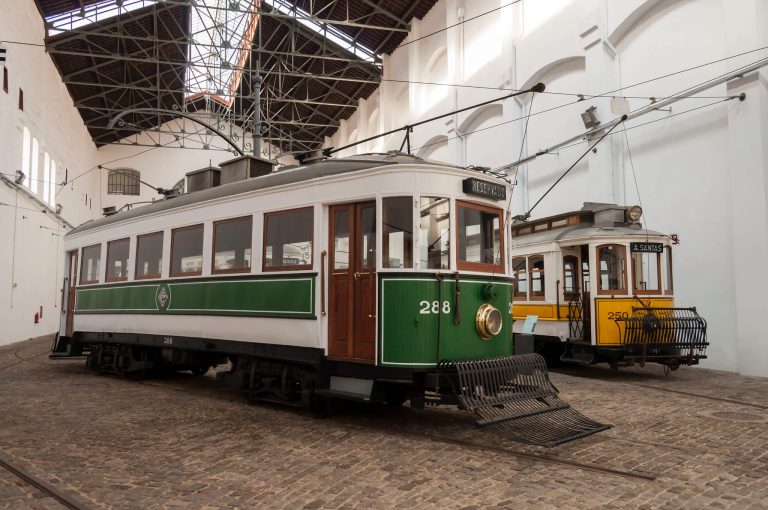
[(20, 176), (59, 208)]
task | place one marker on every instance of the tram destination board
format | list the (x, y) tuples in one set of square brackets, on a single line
[(646, 247), (472, 186)]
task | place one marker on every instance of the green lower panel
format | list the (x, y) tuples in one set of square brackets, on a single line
[(418, 320), (273, 297)]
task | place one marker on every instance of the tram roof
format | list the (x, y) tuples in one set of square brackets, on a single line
[(325, 168), (582, 231)]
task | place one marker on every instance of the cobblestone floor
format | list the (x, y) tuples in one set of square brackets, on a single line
[(695, 439)]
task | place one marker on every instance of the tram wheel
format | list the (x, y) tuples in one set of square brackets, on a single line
[(199, 371), (396, 397)]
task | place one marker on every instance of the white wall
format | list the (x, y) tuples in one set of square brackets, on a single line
[(30, 244), (701, 175), (31, 253)]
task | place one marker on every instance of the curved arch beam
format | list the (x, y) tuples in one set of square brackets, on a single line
[(489, 110), (432, 145), (118, 118), (634, 18), (435, 58), (548, 68)]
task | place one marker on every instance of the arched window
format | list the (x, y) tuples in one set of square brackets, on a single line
[(521, 278), (123, 181), (536, 274), (612, 265), (570, 276), (25, 152)]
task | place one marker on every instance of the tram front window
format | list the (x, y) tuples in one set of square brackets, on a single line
[(646, 272), (612, 263), (435, 244), (668, 281), (479, 238), (398, 232)]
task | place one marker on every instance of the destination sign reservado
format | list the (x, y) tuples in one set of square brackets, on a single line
[(486, 189)]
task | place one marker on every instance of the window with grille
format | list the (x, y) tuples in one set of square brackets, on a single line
[(123, 181)]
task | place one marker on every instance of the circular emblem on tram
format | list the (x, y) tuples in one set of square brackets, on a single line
[(163, 296)]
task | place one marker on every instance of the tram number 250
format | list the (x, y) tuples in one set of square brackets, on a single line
[(612, 316)]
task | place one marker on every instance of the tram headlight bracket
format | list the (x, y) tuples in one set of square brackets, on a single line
[(488, 321)]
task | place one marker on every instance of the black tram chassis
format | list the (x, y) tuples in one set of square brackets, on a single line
[(414, 382)]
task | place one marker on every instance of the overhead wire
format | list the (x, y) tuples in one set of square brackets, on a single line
[(467, 20), (722, 98), (528, 213), (581, 96)]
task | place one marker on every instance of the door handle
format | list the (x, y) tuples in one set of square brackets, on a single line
[(357, 276), (371, 316)]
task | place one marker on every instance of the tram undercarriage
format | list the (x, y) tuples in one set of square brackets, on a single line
[(668, 336), (510, 395)]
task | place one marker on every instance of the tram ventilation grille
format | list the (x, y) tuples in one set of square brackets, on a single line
[(513, 397)]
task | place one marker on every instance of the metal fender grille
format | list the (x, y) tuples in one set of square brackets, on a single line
[(680, 328), (513, 397)]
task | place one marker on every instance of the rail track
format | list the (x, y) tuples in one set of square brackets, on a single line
[(699, 395), (64, 497), (19, 359), (536, 457), (602, 378)]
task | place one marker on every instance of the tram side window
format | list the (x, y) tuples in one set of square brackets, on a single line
[(570, 275), (149, 255), (117, 260), (611, 260), (585, 275), (521, 278), (536, 274), (435, 244), (288, 239), (668, 282), (479, 238), (90, 265), (187, 251), (646, 270), (232, 245), (398, 232)]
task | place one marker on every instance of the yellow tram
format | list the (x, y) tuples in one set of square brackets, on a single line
[(594, 286)]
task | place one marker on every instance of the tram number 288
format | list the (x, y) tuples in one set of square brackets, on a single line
[(430, 307)]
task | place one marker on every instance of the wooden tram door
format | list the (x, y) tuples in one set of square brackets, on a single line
[(352, 282), (70, 283)]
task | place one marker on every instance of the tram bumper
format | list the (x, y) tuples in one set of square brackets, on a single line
[(671, 336), (513, 397)]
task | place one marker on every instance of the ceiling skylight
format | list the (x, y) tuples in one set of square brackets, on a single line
[(221, 34), (328, 31), (92, 13), (222, 31)]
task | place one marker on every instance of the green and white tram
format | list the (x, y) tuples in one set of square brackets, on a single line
[(377, 278)]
